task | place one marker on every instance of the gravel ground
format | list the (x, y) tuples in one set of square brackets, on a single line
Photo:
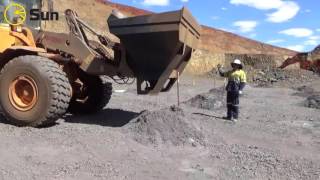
[(145, 137)]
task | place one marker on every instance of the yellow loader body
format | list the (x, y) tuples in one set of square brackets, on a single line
[(7, 40)]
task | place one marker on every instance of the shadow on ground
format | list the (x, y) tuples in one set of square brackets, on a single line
[(107, 117), (211, 116)]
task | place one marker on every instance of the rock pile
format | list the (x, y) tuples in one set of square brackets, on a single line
[(313, 101), (212, 100), (165, 126), (312, 96), (269, 77)]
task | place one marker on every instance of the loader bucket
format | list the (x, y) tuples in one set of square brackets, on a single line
[(158, 46)]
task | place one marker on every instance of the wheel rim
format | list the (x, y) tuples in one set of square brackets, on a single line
[(23, 93)]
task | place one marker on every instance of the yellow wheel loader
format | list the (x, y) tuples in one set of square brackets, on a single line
[(47, 74)]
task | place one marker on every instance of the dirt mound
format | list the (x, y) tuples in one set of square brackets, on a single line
[(313, 101), (312, 96), (270, 77), (165, 126), (212, 100)]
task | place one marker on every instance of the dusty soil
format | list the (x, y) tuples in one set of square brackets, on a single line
[(145, 137)]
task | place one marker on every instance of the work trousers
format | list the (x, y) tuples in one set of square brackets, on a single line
[(233, 104)]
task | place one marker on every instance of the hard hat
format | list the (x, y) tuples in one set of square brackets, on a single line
[(237, 61)]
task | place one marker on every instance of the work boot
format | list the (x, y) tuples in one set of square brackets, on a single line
[(234, 120), (229, 112), (227, 118)]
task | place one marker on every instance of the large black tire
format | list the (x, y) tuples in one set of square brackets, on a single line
[(98, 95), (53, 91)]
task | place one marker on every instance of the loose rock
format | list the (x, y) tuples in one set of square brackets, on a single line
[(165, 126), (212, 100), (313, 101)]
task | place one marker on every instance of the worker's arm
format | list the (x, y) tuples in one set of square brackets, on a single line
[(243, 80), (221, 72), (242, 85)]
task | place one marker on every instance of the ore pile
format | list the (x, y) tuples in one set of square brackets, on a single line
[(312, 96), (166, 126), (270, 77), (212, 100), (313, 101)]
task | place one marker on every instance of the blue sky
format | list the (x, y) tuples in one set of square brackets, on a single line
[(293, 24)]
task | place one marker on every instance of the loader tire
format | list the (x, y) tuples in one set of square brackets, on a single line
[(34, 91), (99, 93)]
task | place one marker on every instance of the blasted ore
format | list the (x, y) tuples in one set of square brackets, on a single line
[(313, 97), (269, 77), (313, 101), (168, 125), (212, 100)]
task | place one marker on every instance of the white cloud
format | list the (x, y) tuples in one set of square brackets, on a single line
[(318, 30), (260, 4), (224, 8), (246, 26), (297, 32), (311, 42), (215, 18), (275, 41), (314, 37), (184, 1), (284, 13), (156, 2), (284, 10), (299, 48)]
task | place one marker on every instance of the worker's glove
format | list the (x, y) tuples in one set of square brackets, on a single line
[(240, 92)]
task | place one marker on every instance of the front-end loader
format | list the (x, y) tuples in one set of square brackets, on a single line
[(46, 74)]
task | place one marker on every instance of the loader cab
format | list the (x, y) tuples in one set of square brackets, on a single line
[(17, 12)]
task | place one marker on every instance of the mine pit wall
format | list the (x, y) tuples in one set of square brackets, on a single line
[(203, 61), (257, 61)]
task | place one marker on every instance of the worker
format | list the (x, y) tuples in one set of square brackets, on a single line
[(236, 83)]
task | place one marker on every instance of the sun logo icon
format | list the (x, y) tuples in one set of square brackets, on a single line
[(15, 14)]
